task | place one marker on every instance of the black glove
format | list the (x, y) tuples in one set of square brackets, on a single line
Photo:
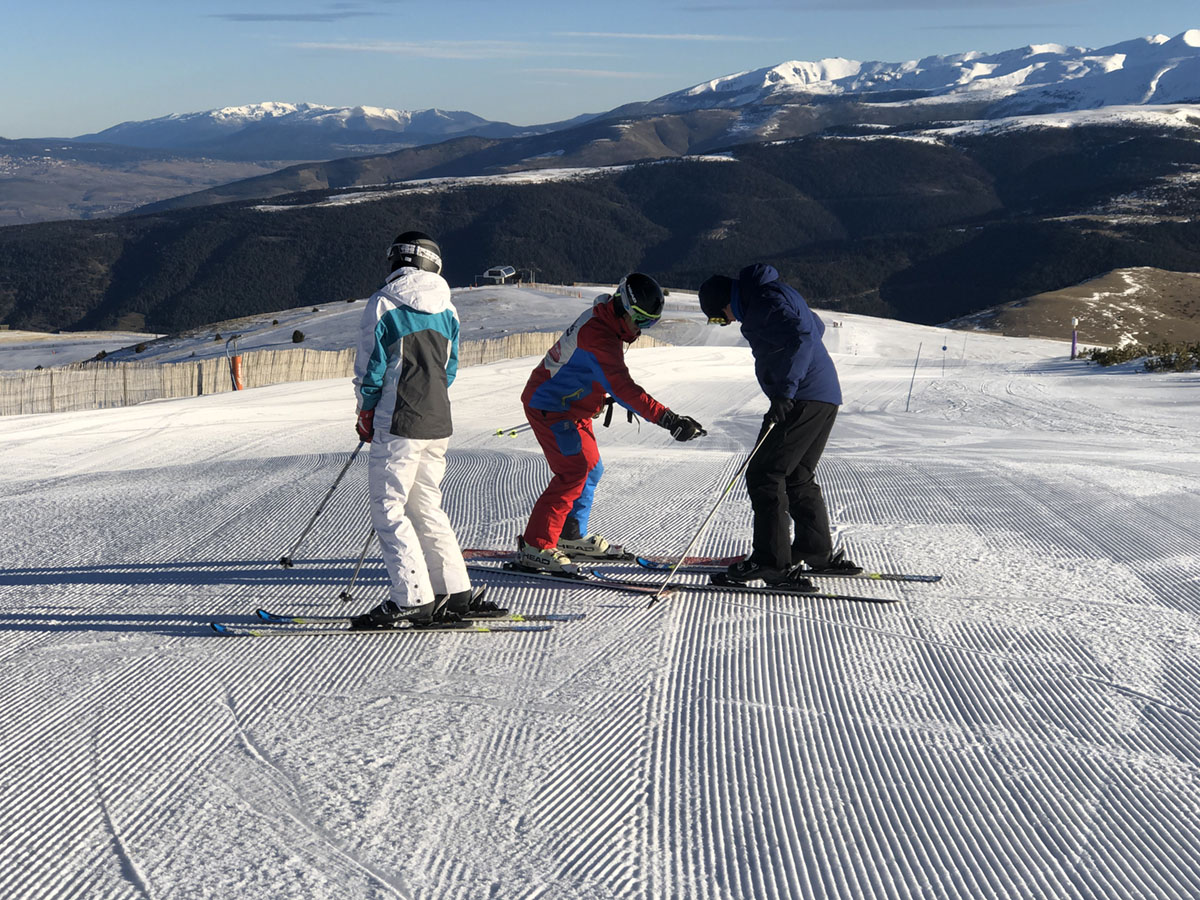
[(682, 428), (778, 413)]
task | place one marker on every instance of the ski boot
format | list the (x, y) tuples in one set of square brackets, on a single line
[(837, 564), (471, 605), (745, 571), (389, 614), (552, 561), (591, 546), (792, 580)]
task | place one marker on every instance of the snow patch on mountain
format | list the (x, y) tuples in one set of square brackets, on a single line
[(1154, 69)]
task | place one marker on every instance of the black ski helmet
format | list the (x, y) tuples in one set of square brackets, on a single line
[(417, 250), (641, 297), (715, 294)]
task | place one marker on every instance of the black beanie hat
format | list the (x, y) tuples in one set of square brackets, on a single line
[(715, 294)]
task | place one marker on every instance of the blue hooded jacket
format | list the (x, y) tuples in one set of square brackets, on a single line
[(785, 337)]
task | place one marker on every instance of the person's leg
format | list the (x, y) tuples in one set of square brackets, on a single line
[(813, 543), (578, 520), (391, 471), (572, 453), (765, 482), (439, 544)]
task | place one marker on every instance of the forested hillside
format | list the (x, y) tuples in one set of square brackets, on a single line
[(919, 230)]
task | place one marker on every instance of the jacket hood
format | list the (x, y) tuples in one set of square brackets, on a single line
[(759, 274), (417, 289)]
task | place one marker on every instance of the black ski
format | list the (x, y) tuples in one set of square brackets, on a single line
[(292, 630), (581, 578), (764, 590), (701, 566), (620, 554), (277, 619)]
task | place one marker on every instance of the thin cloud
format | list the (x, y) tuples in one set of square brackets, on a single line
[(595, 73), (653, 37), (882, 5), (453, 49), (1013, 26), (289, 17), (426, 49)]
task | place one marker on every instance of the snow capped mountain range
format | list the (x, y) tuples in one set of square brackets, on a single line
[(1037, 78), (369, 124)]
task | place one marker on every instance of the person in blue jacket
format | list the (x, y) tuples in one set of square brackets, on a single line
[(798, 376)]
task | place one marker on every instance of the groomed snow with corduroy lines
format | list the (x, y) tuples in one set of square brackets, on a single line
[(1027, 727)]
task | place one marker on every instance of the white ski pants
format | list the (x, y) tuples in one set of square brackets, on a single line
[(419, 547)]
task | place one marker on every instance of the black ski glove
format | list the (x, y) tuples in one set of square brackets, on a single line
[(682, 428), (778, 413)]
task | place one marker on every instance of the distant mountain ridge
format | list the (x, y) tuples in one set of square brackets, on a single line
[(1156, 69), (1031, 80), (901, 225), (280, 130), (797, 97)]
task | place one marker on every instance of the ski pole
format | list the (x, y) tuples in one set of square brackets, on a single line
[(345, 596), (729, 487), (512, 430), (286, 559)]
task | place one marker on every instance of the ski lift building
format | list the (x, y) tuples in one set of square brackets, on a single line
[(497, 275)]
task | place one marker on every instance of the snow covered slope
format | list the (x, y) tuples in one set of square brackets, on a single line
[(30, 349), (485, 312), (1033, 79), (1026, 728)]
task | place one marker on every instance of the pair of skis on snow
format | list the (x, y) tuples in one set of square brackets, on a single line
[(276, 625), (594, 574)]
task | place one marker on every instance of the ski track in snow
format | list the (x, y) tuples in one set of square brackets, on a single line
[(1026, 727)]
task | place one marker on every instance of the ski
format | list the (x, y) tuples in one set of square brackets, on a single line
[(295, 630), (584, 578), (712, 565), (277, 619), (765, 590), (622, 555)]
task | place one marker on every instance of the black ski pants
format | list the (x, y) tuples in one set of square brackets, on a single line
[(783, 489)]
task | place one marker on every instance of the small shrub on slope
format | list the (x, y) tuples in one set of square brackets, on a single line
[(1163, 357)]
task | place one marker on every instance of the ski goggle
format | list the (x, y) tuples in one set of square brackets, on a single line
[(718, 320), (396, 251), (641, 318)]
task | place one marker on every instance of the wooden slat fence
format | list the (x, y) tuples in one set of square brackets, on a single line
[(105, 385)]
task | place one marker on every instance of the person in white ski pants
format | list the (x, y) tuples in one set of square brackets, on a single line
[(406, 361), (418, 544)]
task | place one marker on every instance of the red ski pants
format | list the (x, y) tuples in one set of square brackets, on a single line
[(574, 458)]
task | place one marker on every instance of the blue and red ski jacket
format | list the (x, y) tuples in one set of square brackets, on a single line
[(586, 364)]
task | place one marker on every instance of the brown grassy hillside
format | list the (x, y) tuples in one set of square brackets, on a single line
[(1141, 305)]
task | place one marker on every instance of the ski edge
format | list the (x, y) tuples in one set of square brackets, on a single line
[(699, 568)]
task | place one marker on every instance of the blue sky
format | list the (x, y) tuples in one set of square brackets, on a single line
[(68, 67)]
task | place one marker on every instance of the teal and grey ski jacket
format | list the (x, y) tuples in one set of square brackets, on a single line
[(408, 355)]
